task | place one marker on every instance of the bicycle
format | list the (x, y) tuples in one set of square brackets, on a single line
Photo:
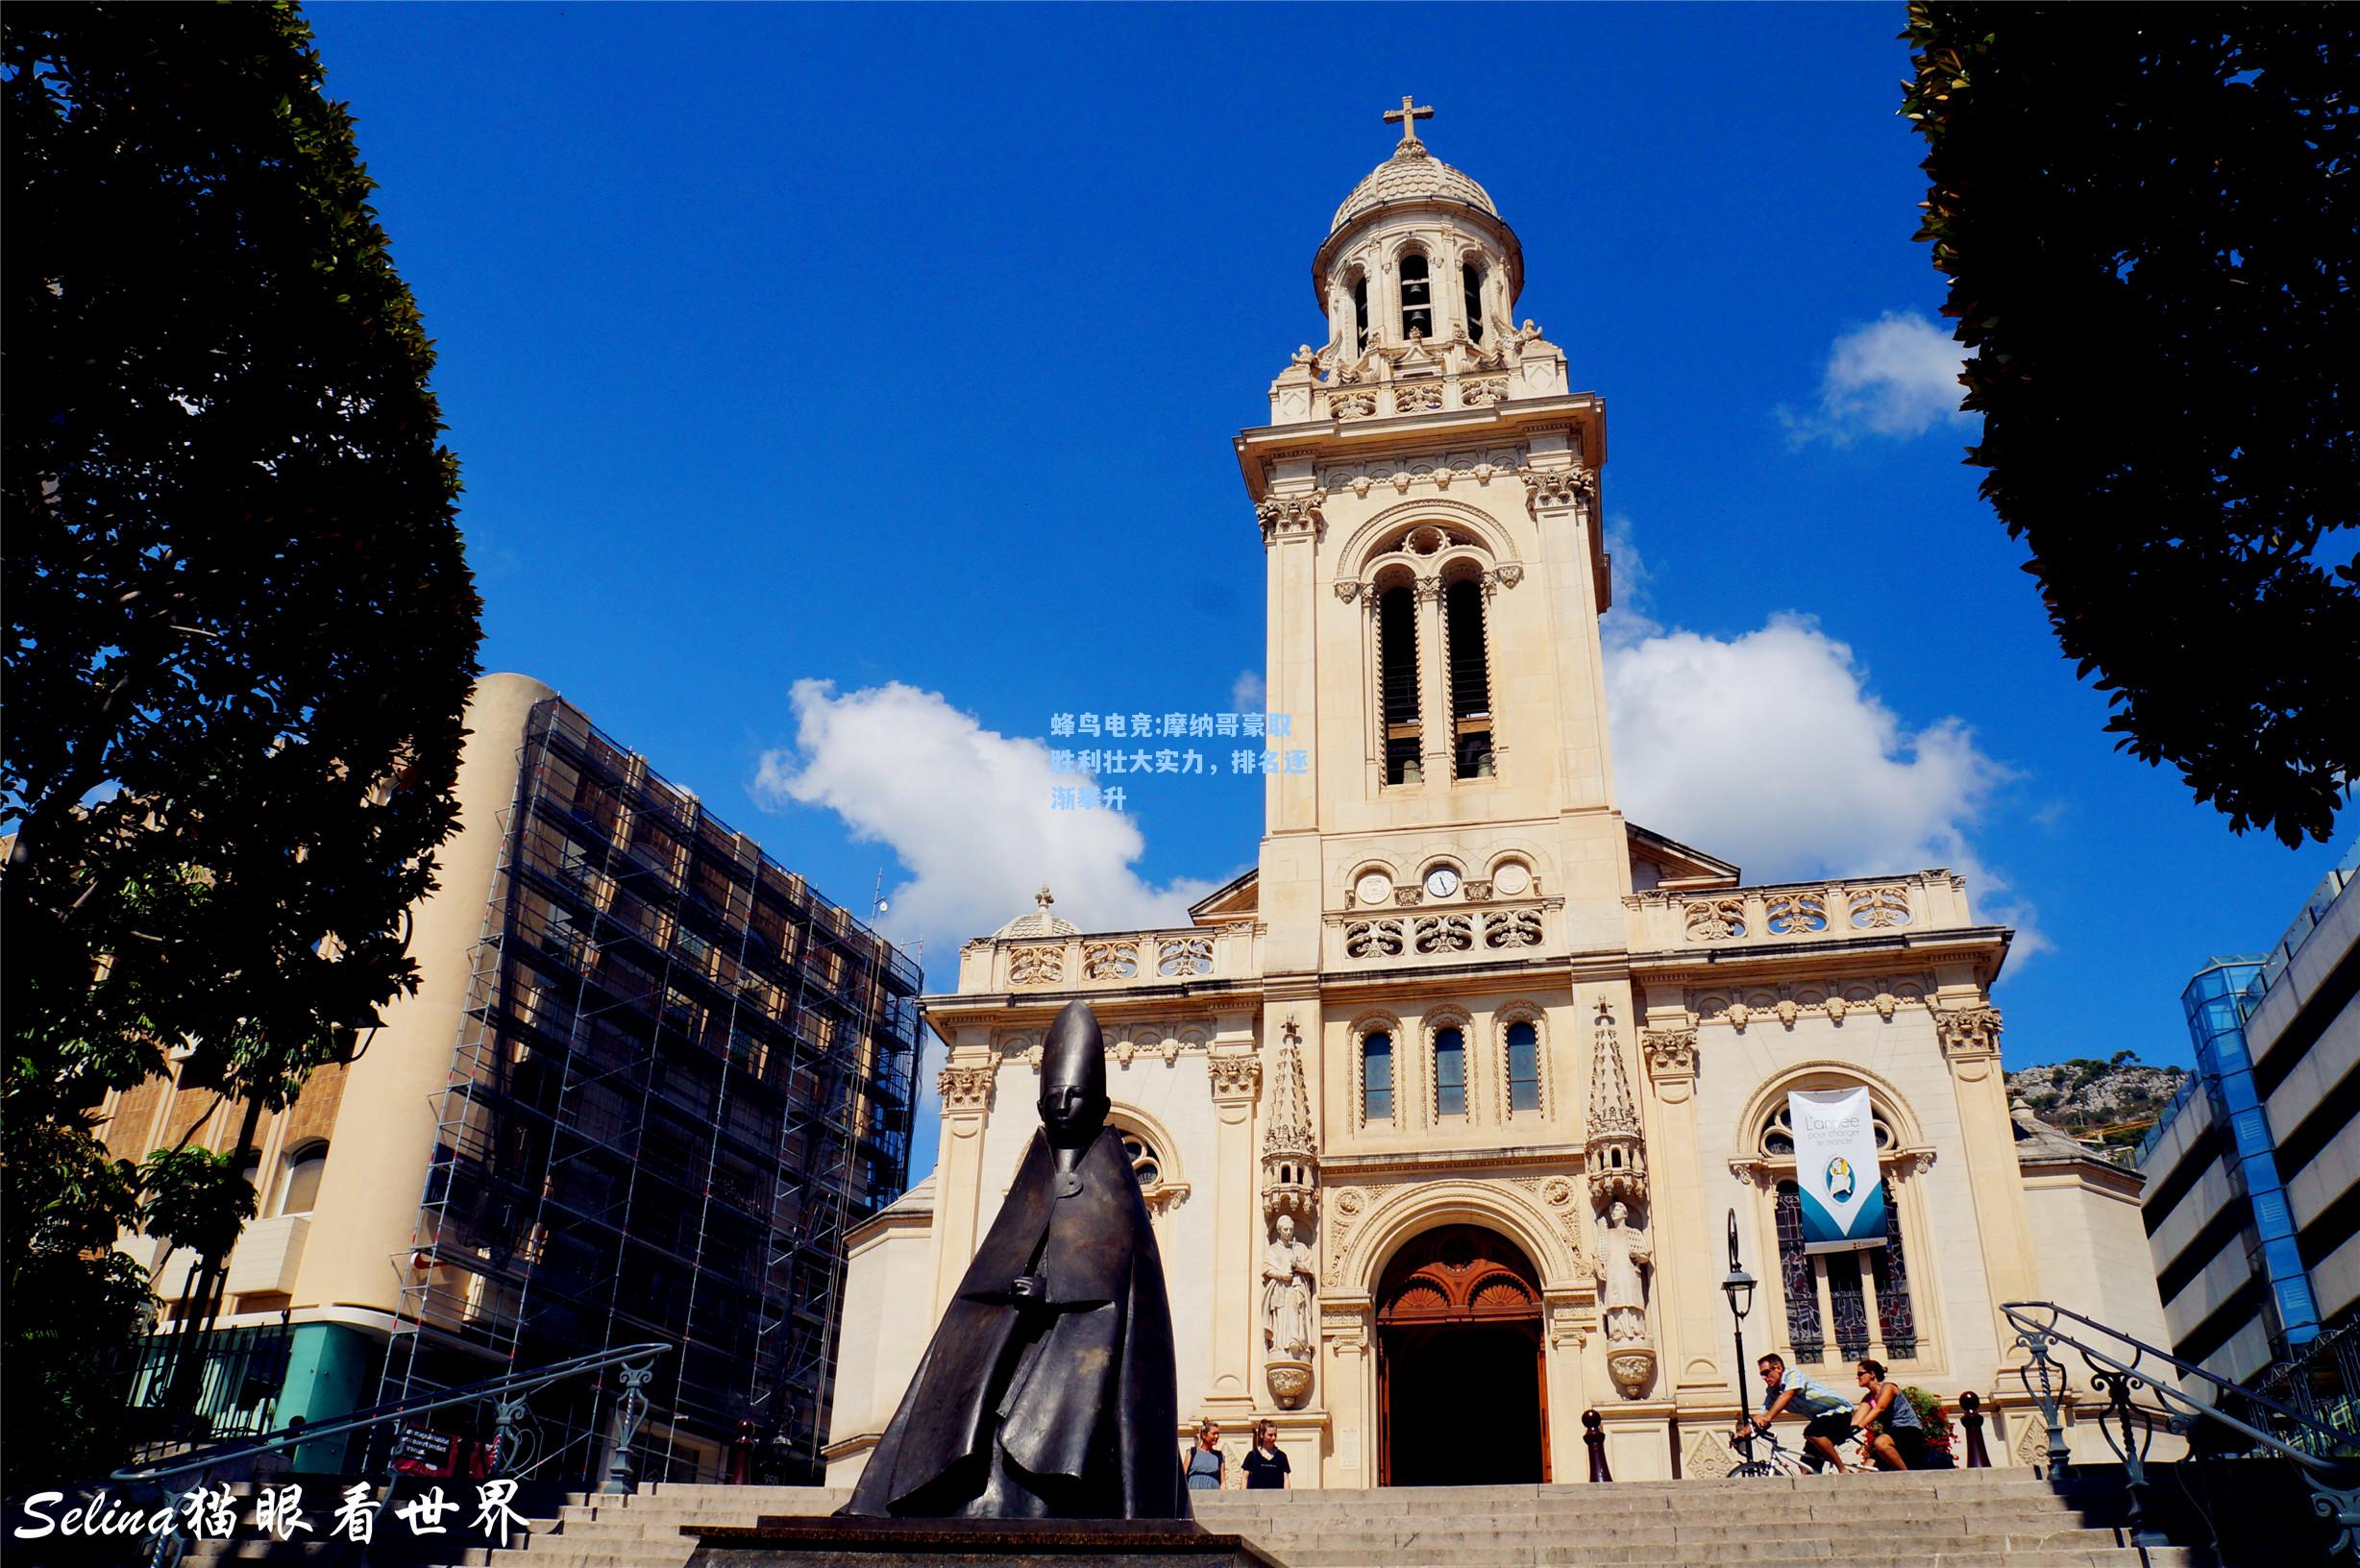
[(1782, 1460)]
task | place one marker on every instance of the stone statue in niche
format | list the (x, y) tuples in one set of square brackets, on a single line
[(1624, 1251), (1048, 1390), (1286, 1285)]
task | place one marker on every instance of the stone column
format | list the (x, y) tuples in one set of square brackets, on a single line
[(967, 1105), (1438, 741), (1237, 1080), (1568, 1328), (1683, 1237), (1970, 1037), (1347, 1373), (1291, 524)]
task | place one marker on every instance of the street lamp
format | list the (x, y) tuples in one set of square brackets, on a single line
[(1739, 1288)]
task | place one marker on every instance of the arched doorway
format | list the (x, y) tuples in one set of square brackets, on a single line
[(1462, 1388)]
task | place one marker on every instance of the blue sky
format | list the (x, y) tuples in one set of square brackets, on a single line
[(841, 391)]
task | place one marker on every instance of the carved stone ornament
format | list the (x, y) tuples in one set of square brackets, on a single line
[(1671, 1053), (1709, 1457), (1284, 515), (1348, 589), (1558, 486), (966, 1089), (1289, 1382), (1037, 966), (1235, 1077), (1973, 1031), (1633, 1369)]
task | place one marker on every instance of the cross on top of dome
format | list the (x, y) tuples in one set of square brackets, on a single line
[(1408, 114)]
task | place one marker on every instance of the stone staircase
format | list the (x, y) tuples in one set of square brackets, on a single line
[(1946, 1519)]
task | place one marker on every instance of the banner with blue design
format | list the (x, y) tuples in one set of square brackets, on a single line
[(1837, 1171)]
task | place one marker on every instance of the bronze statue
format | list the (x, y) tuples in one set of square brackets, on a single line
[(1048, 1389)]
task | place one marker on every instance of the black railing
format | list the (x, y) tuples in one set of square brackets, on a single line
[(515, 1452), (2236, 1419), (2323, 1380), (186, 1386)]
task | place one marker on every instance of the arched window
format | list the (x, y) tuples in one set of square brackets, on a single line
[(1449, 1073), (1377, 1076), (300, 1188), (1417, 297), (1397, 683), (1144, 1163), (1523, 1066), (1359, 313), (1471, 276), (1471, 680), (1869, 1310)]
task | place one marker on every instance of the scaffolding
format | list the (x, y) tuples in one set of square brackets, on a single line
[(681, 1077)]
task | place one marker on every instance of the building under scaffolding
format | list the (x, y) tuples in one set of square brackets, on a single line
[(647, 1080), (682, 1073)]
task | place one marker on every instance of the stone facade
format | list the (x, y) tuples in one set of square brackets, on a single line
[(1460, 989)]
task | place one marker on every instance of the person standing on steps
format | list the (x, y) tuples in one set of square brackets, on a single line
[(1266, 1467), (1206, 1459), (1828, 1414)]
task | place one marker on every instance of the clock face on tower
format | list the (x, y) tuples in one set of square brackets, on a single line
[(1442, 882)]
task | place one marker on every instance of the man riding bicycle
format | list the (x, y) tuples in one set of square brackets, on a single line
[(1827, 1413)]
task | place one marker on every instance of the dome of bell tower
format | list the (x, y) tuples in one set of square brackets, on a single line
[(1412, 174), (1417, 255)]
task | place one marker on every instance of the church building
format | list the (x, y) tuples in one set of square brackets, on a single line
[(1443, 1113)]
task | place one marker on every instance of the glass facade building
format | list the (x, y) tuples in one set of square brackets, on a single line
[(2252, 1198)]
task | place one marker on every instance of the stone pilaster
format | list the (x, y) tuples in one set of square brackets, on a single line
[(967, 1105), (1970, 1037), (1694, 1319), (1236, 1082)]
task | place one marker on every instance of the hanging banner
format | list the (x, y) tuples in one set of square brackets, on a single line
[(1837, 1171)]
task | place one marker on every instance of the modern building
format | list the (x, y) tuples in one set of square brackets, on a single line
[(647, 1080), (2252, 1203), (1462, 1010)]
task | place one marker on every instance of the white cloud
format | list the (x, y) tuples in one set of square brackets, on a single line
[(1246, 694), (1898, 376), (966, 811), (1766, 749)]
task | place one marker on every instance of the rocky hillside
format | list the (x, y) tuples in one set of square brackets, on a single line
[(2115, 1101)]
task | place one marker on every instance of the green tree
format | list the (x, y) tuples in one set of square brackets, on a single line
[(2149, 223), (240, 635)]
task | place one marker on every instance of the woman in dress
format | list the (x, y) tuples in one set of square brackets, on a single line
[(1206, 1458)]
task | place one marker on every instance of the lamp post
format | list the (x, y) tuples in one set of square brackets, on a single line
[(1738, 1287)]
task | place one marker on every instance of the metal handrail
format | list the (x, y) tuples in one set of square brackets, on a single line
[(2334, 1496), (298, 1435), (186, 1475)]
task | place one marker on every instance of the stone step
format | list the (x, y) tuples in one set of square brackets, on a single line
[(1575, 1555), (1606, 1500), (1736, 1535)]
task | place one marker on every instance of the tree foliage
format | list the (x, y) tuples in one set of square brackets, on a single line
[(2148, 219), (240, 628)]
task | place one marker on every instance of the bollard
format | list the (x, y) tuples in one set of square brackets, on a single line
[(1595, 1441), (1971, 1417)]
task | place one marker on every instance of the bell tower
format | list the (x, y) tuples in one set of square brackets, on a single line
[(1427, 487)]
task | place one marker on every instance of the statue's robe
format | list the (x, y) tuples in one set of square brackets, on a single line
[(1075, 1399)]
